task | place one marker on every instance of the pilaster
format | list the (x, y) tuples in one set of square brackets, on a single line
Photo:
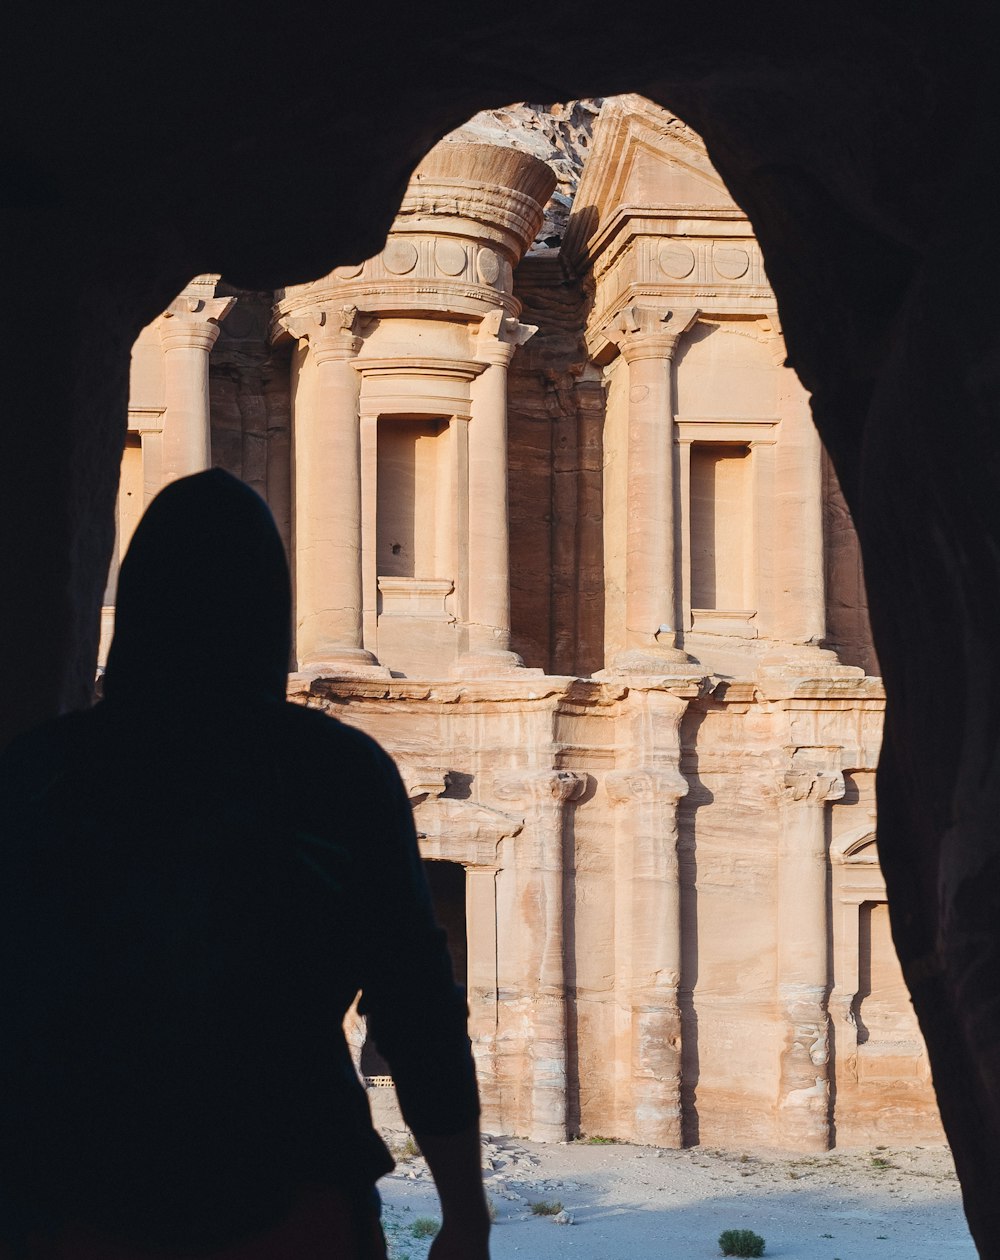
[(647, 340), (648, 931), (188, 329), (495, 341), (326, 464), (540, 878), (808, 782)]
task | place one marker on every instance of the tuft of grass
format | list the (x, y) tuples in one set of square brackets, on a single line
[(544, 1207), (407, 1149), (741, 1242), (881, 1164), (425, 1227), (597, 1140)]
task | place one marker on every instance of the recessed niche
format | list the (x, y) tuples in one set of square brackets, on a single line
[(721, 527), (412, 539)]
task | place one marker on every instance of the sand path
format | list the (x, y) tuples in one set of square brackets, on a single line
[(634, 1203)]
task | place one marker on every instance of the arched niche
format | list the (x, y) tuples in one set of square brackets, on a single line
[(881, 1069)]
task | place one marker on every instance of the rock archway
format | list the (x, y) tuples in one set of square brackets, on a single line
[(162, 145)]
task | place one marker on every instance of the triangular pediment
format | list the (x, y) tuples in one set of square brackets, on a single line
[(643, 160)]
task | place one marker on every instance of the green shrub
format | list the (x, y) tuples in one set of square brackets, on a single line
[(740, 1242), (546, 1209), (427, 1227)]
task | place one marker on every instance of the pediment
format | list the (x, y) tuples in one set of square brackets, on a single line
[(643, 160)]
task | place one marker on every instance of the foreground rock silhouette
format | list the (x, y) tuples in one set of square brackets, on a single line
[(149, 149)]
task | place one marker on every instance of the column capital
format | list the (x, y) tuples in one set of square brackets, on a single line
[(554, 787), (646, 784), (192, 321), (331, 330), (499, 335), (648, 332), (771, 329), (810, 785)]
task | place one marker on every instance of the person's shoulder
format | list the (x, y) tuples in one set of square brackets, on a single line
[(327, 736)]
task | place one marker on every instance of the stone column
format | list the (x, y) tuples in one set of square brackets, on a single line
[(647, 341), (489, 534), (540, 877), (327, 500), (647, 798), (803, 955), (481, 932), (189, 328), (799, 573)]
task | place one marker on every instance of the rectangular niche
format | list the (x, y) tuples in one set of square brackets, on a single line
[(721, 527), (413, 511)]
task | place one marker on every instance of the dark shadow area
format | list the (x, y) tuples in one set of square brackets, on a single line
[(570, 969), (698, 795)]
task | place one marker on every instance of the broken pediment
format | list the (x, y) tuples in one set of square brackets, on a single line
[(644, 161)]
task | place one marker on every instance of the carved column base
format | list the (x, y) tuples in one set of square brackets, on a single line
[(804, 1089), (343, 663), (484, 663), (668, 662), (805, 660)]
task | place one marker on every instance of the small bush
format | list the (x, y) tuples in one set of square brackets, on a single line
[(740, 1242), (542, 1208), (427, 1227), (597, 1140)]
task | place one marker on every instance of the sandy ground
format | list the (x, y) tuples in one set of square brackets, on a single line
[(632, 1202)]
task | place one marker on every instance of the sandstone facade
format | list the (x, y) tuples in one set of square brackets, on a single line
[(564, 540)]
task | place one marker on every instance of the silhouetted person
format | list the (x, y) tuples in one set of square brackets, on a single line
[(196, 878)]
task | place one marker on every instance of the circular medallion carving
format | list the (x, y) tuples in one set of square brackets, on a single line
[(488, 266), (349, 271), (506, 276), (730, 261), (676, 260), (449, 257), (399, 257)]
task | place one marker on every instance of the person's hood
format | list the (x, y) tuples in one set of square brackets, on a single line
[(204, 597)]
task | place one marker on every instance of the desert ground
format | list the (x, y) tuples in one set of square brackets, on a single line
[(629, 1202)]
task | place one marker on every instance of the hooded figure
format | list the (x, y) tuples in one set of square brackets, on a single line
[(196, 879)]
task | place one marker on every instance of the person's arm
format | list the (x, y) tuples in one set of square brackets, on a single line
[(454, 1161), (418, 1018)]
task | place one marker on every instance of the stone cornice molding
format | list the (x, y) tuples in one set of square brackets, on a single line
[(192, 321), (417, 365), (646, 785)]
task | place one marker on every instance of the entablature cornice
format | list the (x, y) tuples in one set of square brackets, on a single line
[(661, 222), (714, 305), (408, 365), (406, 296)]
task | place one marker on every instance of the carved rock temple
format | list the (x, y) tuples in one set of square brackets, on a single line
[(565, 541)]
